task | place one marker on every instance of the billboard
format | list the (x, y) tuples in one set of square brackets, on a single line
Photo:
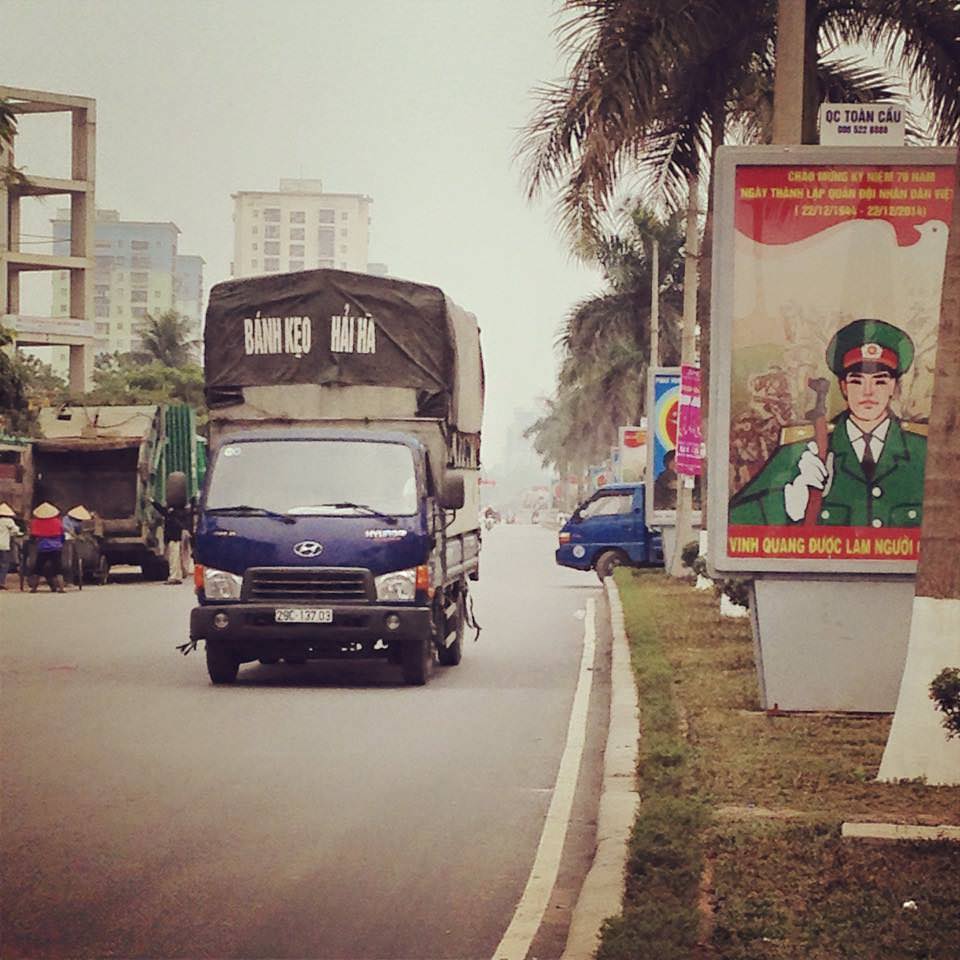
[(663, 404), (827, 274)]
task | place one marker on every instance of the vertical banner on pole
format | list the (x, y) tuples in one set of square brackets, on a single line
[(689, 435)]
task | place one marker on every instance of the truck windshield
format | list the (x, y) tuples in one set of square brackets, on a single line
[(315, 477)]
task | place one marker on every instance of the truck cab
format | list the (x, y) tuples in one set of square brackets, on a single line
[(328, 544), (609, 530)]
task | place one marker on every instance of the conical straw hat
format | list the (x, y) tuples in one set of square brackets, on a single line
[(45, 511), (6, 510), (79, 512)]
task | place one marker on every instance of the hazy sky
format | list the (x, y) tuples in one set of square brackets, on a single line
[(416, 103)]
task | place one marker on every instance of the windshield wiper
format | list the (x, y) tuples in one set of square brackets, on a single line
[(350, 505), (244, 510)]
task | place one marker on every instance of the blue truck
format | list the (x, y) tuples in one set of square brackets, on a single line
[(340, 514), (609, 530)]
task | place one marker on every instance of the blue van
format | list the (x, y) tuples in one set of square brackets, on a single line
[(608, 531)]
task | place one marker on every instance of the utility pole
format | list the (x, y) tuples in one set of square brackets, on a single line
[(655, 303), (788, 76), (688, 357)]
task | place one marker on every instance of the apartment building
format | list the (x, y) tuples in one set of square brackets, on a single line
[(138, 272), (299, 227)]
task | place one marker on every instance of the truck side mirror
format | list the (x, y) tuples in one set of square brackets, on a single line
[(177, 489), (452, 495)]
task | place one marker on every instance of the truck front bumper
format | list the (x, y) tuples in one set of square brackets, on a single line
[(575, 556), (251, 630)]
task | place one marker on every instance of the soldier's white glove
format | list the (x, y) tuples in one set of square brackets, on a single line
[(812, 473)]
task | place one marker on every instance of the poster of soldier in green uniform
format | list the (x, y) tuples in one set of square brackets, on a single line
[(869, 470), (829, 280)]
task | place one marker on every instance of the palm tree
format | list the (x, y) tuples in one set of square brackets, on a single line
[(605, 344), (166, 338), (8, 124), (9, 175)]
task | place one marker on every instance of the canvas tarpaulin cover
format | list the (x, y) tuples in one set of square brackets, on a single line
[(330, 327)]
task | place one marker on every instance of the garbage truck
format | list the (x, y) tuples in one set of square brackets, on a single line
[(340, 514), (117, 461)]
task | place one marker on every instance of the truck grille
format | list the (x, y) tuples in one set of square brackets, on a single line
[(308, 585)]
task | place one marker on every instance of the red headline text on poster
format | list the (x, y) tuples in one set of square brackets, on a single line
[(823, 543), (784, 204)]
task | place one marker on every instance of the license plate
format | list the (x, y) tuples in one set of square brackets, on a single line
[(303, 615)]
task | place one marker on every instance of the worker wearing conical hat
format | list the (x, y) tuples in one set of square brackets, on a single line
[(74, 519), (871, 474), (9, 531), (46, 530)]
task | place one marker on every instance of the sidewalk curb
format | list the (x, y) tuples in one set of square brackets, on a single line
[(603, 888)]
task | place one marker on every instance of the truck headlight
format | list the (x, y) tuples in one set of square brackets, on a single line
[(399, 585), (220, 585)]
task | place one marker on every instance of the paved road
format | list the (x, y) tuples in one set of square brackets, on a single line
[(320, 811)]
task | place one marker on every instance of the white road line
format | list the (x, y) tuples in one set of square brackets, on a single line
[(543, 875)]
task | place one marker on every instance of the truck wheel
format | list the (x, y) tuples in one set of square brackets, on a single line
[(222, 665), (452, 655), (608, 561), (417, 660)]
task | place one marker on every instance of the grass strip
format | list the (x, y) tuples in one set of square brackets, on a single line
[(760, 800), (660, 918)]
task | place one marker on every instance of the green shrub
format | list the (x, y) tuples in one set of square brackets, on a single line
[(945, 692)]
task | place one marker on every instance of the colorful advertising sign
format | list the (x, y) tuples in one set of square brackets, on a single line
[(663, 403), (632, 453), (827, 280)]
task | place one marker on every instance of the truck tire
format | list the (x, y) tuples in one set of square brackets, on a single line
[(417, 660), (452, 655), (222, 665), (608, 561)]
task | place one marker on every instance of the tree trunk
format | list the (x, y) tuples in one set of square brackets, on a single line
[(704, 305), (789, 76), (654, 303), (918, 746), (684, 522), (938, 573)]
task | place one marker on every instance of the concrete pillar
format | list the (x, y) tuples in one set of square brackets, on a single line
[(81, 369), (83, 211)]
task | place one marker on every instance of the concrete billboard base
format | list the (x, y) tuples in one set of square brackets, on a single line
[(837, 645)]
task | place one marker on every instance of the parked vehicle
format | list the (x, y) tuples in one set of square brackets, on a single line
[(609, 530), (115, 461), (340, 517)]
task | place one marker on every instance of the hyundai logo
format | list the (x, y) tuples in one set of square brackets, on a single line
[(308, 548)]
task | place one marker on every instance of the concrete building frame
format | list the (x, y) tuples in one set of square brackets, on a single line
[(75, 331)]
